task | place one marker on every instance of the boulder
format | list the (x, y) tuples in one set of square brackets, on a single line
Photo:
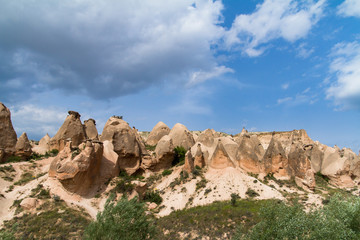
[(250, 154), (275, 161), (23, 147), (78, 170), (73, 129), (181, 136), (43, 145), (126, 144), (90, 129), (158, 131), (29, 203), (8, 136)]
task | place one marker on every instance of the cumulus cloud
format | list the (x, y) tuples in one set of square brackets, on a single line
[(35, 120), (344, 89), (107, 48), (304, 97), (349, 8), (273, 19)]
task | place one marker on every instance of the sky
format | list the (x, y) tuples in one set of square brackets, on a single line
[(266, 65)]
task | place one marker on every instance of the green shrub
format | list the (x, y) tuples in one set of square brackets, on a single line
[(4, 235), (251, 193), (152, 196), (14, 159), (125, 220), (150, 147), (167, 172), (340, 219), (234, 197), (179, 156)]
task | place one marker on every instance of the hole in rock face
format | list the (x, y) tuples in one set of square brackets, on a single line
[(115, 123)]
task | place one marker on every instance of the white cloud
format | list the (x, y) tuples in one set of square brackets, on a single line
[(304, 97), (273, 19), (349, 8), (35, 120), (202, 76), (284, 100), (345, 89), (303, 51), (285, 86)]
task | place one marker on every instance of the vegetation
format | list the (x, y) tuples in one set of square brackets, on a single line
[(25, 178), (124, 220), (53, 221), (167, 172), (252, 193), (150, 147), (152, 196), (14, 159), (339, 219), (234, 197), (179, 156), (212, 221)]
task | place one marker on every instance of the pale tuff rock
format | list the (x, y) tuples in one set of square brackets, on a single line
[(72, 129), (43, 145), (126, 144), (189, 162), (199, 159), (23, 147), (30, 203), (220, 158), (275, 161), (181, 136), (316, 155), (8, 136), (250, 154), (78, 169), (90, 129), (207, 137), (298, 161), (158, 131)]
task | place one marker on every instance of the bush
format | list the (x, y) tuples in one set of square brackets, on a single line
[(6, 235), (166, 172), (340, 219), (153, 196), (179, 156), (234, 197), (125, 220), (251, 193)]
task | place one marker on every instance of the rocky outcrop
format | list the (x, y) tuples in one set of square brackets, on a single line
[(72, 129), (8, 136), (164, 156), (199, 159), (181, 136), (78, 169), (158, 131), (207, 137), (43, 145), (250, 154), (23, 147), (90, 129), (220, 158), (275, 161), (125, 143)]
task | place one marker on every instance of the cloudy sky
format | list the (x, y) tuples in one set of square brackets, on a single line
[(267, 65)]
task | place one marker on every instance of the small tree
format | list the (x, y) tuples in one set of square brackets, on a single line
[(125, 220), (179, 155)]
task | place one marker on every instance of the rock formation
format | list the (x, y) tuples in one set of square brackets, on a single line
[(72, 128), (8, 136), (126, 144), (158, 131), (90, 129), (250, 154), (220, 158), (77, 168), (275, 161), (181, 136), (43, 145), (199, 159), (23, 147)]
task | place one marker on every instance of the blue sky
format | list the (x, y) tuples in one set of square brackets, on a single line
[(269, 65)]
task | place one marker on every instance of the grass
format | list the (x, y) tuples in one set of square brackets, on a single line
[(25, 178), (40, 193), (55, 221), (150, 147), (7, 168), (211, 220)]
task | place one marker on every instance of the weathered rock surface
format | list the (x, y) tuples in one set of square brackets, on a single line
[(43, 145), (90, 129), (158, 131), (220, 158), (125, 142), (73, 129), (29, 203), (164, 154), (275, 161), (181, 136), (78, 170), (8, 136), (23, 147), (250, 154)]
